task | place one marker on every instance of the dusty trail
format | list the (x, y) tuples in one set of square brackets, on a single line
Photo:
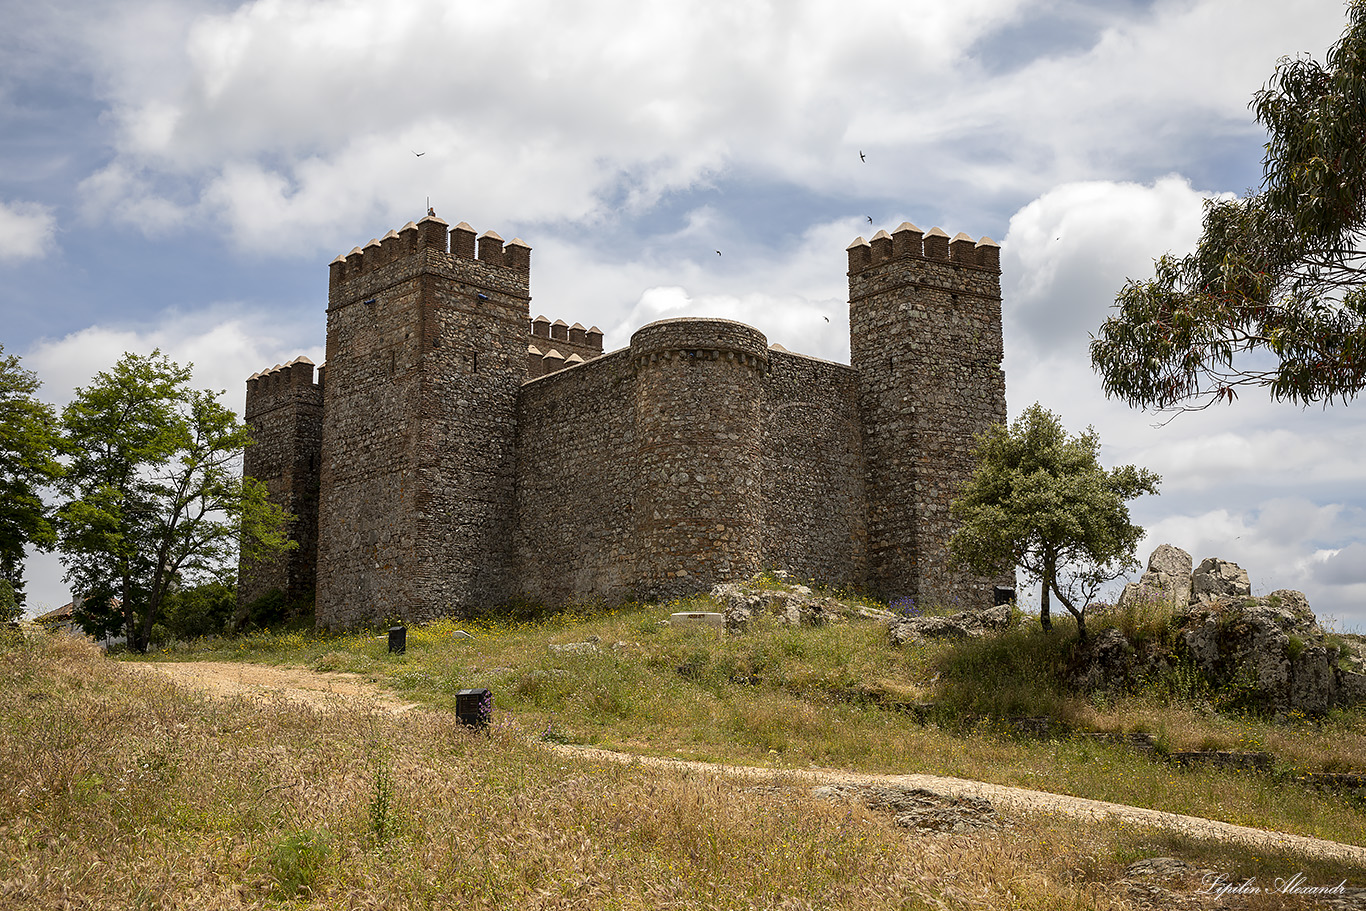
[(321, 689)]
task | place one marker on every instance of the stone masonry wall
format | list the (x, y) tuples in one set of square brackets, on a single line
[(366, 540), (575, 445), (284, 410), (699, 504), (426, 348), (925, 332), (814, 508)]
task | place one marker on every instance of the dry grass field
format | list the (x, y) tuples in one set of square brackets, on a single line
[(119, 789)]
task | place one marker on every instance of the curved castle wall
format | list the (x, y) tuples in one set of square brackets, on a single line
[(698, 509)]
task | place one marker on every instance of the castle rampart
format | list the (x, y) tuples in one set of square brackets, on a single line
[(471, 454)]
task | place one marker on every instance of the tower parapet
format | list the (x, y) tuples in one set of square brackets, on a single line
[(568, 342)]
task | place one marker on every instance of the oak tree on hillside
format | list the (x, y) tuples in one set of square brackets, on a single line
[(28, 463), (1273, 294), (154, 494), (1040, 500)]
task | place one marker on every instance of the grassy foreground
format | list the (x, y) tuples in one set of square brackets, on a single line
[(120, 791), (836, 697)]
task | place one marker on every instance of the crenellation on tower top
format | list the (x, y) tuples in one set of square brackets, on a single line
[(462, 241), (937, 244), (963, 249), (860, 254), (517, 255), (907, 240), (881, 246), (491, 248), (432, 233)]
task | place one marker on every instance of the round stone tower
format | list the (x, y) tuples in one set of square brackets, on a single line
[(698, 506)]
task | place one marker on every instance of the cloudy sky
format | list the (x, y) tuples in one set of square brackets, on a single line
[(178, 173)]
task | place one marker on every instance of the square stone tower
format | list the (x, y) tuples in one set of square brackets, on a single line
[(285, 412), (925, 337), (426, 349)]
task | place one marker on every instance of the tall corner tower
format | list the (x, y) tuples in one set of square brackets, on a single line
[(285, 413), (426, 349), (925, 336)]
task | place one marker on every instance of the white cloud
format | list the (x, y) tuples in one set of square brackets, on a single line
[(224, 352), (288, 115), (1070, 250), (27, 230)]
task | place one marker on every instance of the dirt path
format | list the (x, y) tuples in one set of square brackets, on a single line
[(323, 689)]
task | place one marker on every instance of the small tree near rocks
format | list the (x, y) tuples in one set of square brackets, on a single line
[(1040, 500)]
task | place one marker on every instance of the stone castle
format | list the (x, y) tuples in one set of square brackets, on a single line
[(455, 454)]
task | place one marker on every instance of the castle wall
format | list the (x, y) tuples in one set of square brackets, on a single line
[(457, 468), (575, 440), (368, 541), (925, 337), (698, 504), (814, 507), (284, 410)]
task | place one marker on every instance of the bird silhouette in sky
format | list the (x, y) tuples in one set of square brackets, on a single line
[(718, 252), (862, 157), (826, 318), (870, 219), (419, 154)]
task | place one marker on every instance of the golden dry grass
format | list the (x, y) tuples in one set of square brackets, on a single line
[(118, 790)]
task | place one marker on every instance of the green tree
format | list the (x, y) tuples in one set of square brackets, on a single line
[(155, 499), (1040, 500), (28, 449), (1272, 295)]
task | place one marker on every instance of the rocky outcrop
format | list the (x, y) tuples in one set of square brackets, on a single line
[(963, 625), (1168, 579), (917, 808), (773, 595), (1216, 579), (1271, 651), (1267, 653)]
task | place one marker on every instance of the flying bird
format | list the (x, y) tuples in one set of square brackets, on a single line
[(861, 156), (827, 319), (870, 219), (718, 252), (419, 154)]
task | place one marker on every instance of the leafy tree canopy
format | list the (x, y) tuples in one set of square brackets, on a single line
[(154, 495), (1272, 295), (1040, 500), (28, 449)]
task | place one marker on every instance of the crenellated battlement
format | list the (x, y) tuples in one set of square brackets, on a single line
[(433, 235), (909, 242), (565, 341), (283, 384)]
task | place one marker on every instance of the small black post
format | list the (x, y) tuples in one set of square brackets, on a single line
[(474, 707), (398, 640)]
